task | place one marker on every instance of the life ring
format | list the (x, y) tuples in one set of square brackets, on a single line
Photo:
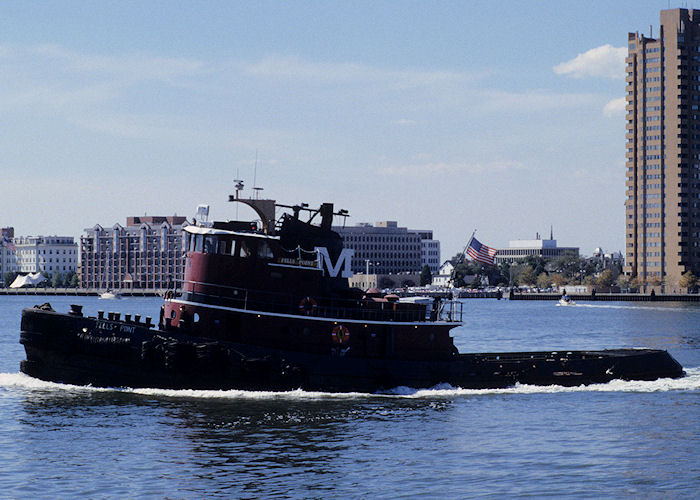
[(340, 334), (307, 306)]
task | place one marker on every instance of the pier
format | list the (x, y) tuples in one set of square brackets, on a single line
[(609, 297), (81, 292)]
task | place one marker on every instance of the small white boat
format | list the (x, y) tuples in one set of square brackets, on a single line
[(565, 300), (110, 295)]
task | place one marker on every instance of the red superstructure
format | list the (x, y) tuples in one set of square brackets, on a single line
[(284, 286)]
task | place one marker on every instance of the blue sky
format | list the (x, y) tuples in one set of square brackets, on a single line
[(505, 117)]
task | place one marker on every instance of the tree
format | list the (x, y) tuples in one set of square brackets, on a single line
[(623, 281), (501, 274), (589, 281), (568, 264), (637, 282), (535, 262), (656, 282), (9, 278), (527, 276), (544, 281), (57, 280), (605, 279), (476, 282), (386, 282), (557, 279), (426, 277), (688, 280), (70, 279)]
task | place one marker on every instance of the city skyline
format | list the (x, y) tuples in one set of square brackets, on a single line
[(508, 118)]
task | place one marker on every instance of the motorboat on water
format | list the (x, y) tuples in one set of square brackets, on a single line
[(266, 305), (565, 300), (109, 294)]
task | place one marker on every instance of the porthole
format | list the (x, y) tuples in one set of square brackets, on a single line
[(195, 317)]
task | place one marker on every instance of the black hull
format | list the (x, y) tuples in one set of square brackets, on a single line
[(80, 350)]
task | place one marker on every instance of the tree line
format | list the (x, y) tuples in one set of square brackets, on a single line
[(535, 271), (68, 279)]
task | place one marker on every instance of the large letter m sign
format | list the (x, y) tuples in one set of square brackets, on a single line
[(344, 260)]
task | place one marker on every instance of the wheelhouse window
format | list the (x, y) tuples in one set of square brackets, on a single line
[(224, 247), (246, 248), (264, 250), (210, 244)]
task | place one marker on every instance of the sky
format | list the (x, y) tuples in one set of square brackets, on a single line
[(497, 116)]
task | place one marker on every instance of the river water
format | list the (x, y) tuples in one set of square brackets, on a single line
[(618, 440)]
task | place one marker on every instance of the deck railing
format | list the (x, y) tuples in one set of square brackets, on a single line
[(327, 307)]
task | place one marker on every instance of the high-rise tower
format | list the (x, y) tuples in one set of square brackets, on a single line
[(663, 150)]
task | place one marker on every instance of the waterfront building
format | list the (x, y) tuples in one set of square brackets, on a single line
[(612, 261), (386, 248), (443, 278), (521, 249), (7, 253), (45, 254), (146, 253), (383, 281), (662, 207)]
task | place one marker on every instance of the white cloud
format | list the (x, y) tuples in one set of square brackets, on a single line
[(605, 61), (322, 73), (133, 66), (616, 107)]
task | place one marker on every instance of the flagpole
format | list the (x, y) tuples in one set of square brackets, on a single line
[(469, 242), (462, 257)]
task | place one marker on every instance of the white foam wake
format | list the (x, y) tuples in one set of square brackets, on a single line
[(689, 383), (688, 308)]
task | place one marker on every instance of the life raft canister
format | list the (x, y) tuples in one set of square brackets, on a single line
[(340, 334), (307, 306)]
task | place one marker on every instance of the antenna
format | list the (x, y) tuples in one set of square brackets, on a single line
[(255, 177), (238, 184)]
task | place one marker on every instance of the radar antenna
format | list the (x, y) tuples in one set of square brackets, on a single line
[(238, 184)]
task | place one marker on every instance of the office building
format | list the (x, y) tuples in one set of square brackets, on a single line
[(521, 249), (662, 206), (386, 248), (147, 253)]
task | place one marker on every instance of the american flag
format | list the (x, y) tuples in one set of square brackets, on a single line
[(481, 253)]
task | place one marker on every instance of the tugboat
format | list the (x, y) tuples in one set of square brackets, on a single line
[(266, 305)]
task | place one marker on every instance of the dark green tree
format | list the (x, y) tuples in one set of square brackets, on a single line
[(386, 282), (70, 279), (426, 277), (528, 276), (57, 280), (9, 277), (476, 282)]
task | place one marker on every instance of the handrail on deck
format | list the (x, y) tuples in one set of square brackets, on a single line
[(286, 303)]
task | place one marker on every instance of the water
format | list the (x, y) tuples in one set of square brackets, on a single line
[(623, 439)]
